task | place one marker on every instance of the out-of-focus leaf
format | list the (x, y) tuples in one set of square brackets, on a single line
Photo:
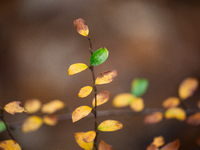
[(198, 104), (85, 91), (171, 102), (198, 141), (81, 143), (9, 145), (158, 141), (76, 68), (152, 147), (32, 123), (50, 120), (106, 77), (194, 119), (122, 100), (110, 125), (80, 112), (137, 104), (153, 118), (102, 98), (13, 107), (32, 105), (139, 87), (172, 145), (81, 28), (99, 56), (177, 113), (187, 87), (89, 136), (52, 106), (2, 126), (104, 146)]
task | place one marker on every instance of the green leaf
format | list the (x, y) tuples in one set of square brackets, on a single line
[(99, 56), (2, 126), (139, 87)]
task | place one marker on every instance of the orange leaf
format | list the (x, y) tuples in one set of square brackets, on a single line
[(137, 104), (172, 145), (32, 123), (52, 106), (80, 112), (50, 120), (76, 68), (81, 28), (152, 147), (81, 143), (158, 141), (104, 146), (85, 91), (9, 145), (89, 136), (106, 77), (187, 87), (110, 125), (13, 107), (102, 98), (122, 100), (153, 118), (171, 102), (194, 119), (32, 105), (177, 113)]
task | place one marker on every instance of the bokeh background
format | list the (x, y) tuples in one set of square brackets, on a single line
[(157, 40)]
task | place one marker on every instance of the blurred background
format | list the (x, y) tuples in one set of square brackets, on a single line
[(157, 40)]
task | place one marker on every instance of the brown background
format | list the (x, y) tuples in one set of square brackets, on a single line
[(157, 40)]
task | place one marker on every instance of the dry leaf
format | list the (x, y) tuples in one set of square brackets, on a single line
[(106, 77), (172, 145), (13, 107), (102, 98), (52, 106), (85, 91), (137, 104), (171, 102), (158, 141), (76, 68), (80, 112), (32, 123), (89, 136), (104, 146), (81, 28), (81, 143), (122, 100), (194, 119), (177, 113), (32, 105), (110, 125), (50, 120), (152, 147), (153, 118), (9, 145)]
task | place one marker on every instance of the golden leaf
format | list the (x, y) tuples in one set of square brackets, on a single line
[(76, 68), (110, 125), (32, 123), (104, 146), (137, 104), (177, 113), (13, 107), (80, 112), (171, 102), (81, 28), (106, 77), (52, 106), (32, 105), (81, 143), (158, 141), (122, 100), (85, 91), (102, 98), (153, 118), (89, 136), (9, 145), (172, 145), (194, 119), (50, 120)]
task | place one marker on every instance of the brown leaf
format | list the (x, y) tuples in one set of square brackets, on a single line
[(198, 104), (152, 147), (13, 107), (198, 141), (153, 118), (171, 102), (102, 98), (172, 145), (81, 28), (50, 120), (104, 146), (194, 119), (106, 77)]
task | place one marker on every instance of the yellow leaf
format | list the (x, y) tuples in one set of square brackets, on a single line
[(13, 107), (76, 68), (171, 102), (52, 106), (106, 77), (32, 105), (89, 136), (102, 98), (50, 120), (153, 118), (80, 112), (177, 113), (137, 104), (122, 100), (194, 119), (32, 123), (9, 145), (104, 146), (172, 145), (81, 28), (110, 125), (85, 91), (81, 143), (187, 88), (158, 141)]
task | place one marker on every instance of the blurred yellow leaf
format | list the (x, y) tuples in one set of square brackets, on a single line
[(85, 91), (13, 107), (172, 145), (102, 98), (76, 68), (171, 102), (52, 106), (50, 120), (137, 104), (153, 118), (80, 112), (187, 88), (194, 119), (152, 147), (177, 113), (89, 136), (9, 145), (158, 141), (81, 143), (110, 125), (122, 100), (81, 28), (32, 105), (106, 77), (104, 146), (32, 123)]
